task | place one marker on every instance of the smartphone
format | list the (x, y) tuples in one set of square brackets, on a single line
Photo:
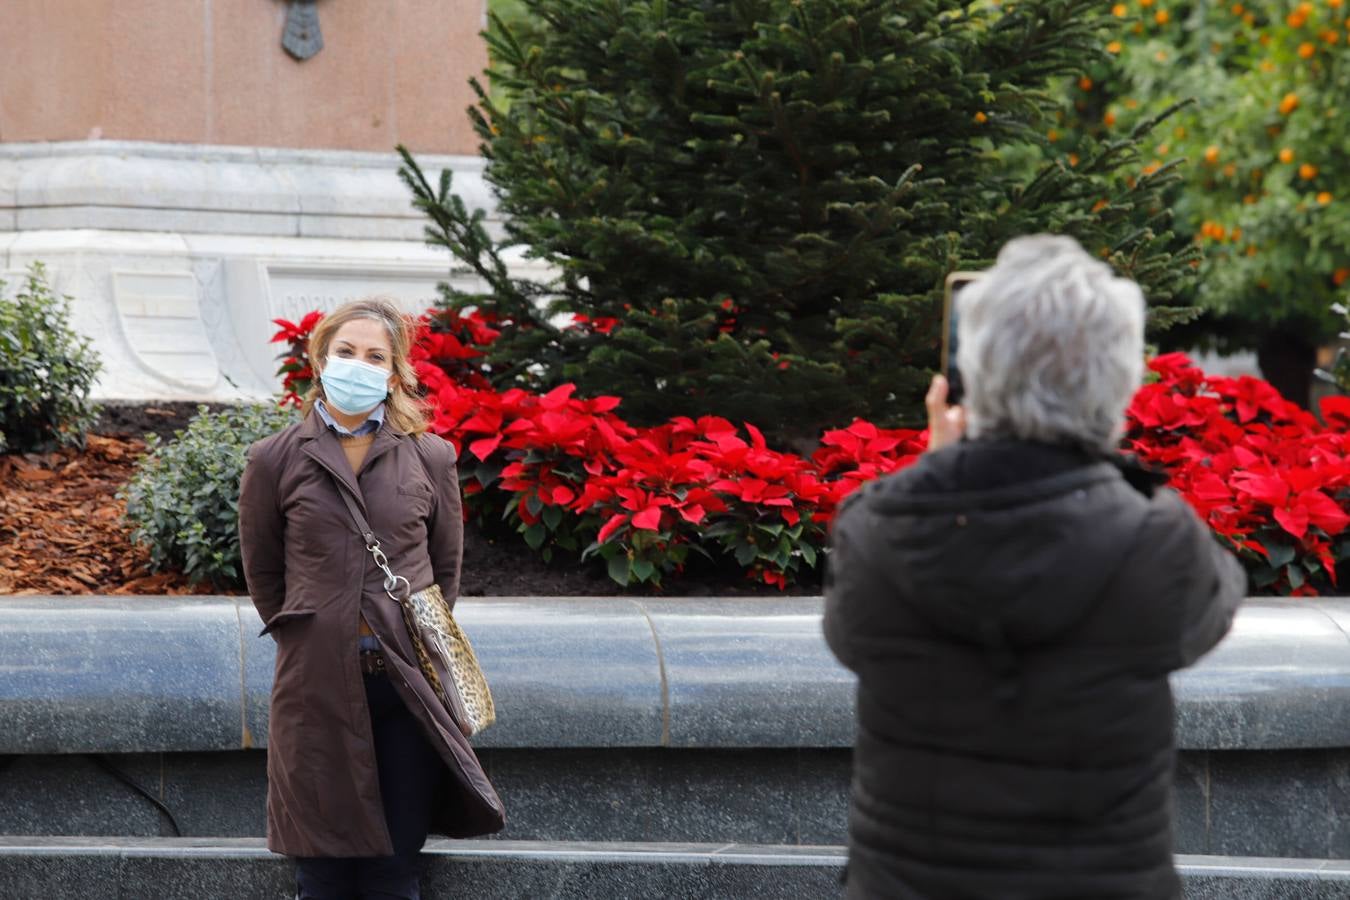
[(956, 281)]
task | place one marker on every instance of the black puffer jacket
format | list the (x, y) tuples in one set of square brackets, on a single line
[(1013, 611)]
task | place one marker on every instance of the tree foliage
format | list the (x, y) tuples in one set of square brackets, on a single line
[(752, 204), (1266, 190)]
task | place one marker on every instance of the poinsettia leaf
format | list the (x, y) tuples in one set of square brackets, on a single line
[(746, 553), (607, 530), (553, 517), (1279, 554), (535, 536), (643, 570), (619, 568), (1264, 576), (1294, 521), (648, 519), (483, 448)]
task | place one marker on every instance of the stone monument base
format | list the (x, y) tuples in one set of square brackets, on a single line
[(178, 257)]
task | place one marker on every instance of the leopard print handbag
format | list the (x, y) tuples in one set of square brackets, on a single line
[(447, 660), (444, 653)]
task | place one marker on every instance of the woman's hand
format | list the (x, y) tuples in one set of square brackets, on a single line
[(946, 423)]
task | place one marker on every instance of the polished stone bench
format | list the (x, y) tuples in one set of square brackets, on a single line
[(624, 719)]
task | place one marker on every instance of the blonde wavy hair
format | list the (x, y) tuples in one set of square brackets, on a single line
[(404, 408)]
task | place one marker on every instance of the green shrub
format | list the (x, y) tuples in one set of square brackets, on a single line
[(183, 501), (46, 370)]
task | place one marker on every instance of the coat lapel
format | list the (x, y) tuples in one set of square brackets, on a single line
[(386, 439), (320, 444)]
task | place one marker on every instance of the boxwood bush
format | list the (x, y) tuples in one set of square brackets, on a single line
[(46, 370), (183, 501)]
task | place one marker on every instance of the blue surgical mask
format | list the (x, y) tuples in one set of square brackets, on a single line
[(354, 387)]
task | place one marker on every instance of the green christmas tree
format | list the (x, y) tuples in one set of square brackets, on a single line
[(753, 204)]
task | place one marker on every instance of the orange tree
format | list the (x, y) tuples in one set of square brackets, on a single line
[(1263, 151)]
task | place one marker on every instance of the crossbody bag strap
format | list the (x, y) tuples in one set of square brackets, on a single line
[(373, 545), (361, 524)]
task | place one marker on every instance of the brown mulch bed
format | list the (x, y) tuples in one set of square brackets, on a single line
[(61, 531), (60, 524)]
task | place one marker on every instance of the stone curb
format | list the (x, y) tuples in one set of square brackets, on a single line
[(170, 868), (156, 674)]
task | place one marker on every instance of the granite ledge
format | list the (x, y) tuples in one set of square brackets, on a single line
[(159, 674)]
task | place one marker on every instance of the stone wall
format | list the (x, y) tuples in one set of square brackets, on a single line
[(214, 72), (620, 719)]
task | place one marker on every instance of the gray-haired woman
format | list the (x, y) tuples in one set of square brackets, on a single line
[(1013, 604)]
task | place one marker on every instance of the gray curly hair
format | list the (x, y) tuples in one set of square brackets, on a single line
[(1050, 344)]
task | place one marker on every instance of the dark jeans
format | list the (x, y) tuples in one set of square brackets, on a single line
[(410, 770)]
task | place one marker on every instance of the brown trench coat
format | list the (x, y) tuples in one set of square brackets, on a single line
[(311, 578)]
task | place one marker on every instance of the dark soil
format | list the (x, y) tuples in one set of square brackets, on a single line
[(55, 514), (502, 566), (136, 420)]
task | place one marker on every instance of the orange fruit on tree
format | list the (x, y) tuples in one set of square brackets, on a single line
[(1306, 50), (1287, 155), (1289, 103), (1324, 197), (1211, 154), (1307, 171)]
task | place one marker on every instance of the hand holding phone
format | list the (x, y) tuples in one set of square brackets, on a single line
[(946, 418), (946, 423)]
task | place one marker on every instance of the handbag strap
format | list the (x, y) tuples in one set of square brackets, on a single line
[(373, 545)]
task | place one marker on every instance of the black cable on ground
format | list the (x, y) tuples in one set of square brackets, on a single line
[(106, 765)]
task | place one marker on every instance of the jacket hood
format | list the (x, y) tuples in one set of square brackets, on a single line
[(1007, 544)]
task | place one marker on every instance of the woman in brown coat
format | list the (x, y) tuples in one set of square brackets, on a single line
[(363, 761)]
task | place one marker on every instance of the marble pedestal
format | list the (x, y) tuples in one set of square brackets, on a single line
[(178, 257)]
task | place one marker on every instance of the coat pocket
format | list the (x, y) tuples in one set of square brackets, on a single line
[(284, 617)]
